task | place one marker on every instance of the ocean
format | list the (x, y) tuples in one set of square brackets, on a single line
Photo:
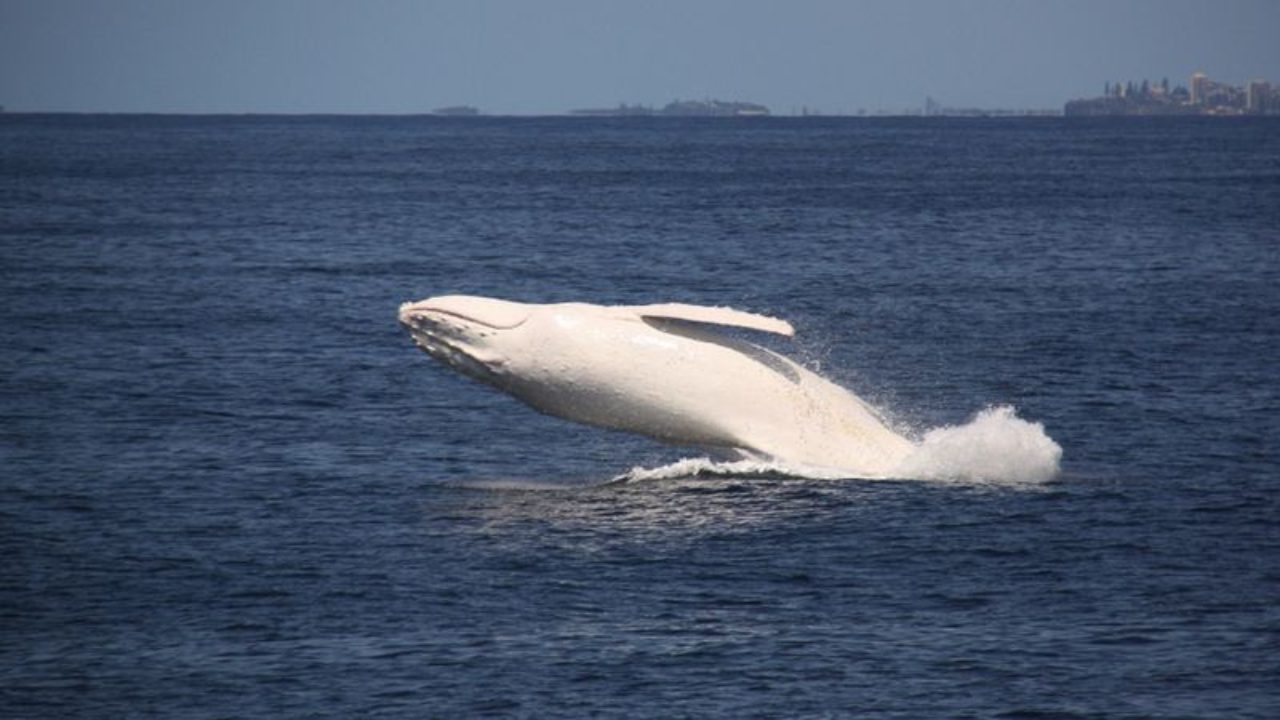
[(232, 487)]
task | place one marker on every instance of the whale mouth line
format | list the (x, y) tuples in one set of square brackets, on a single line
[(430, 311), (461, 316)]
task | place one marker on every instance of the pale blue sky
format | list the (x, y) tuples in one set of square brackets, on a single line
[(549, 56)]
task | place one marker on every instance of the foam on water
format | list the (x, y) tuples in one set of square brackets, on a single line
[(704, 467)]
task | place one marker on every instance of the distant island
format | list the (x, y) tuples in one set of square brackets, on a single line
[(456, 111), (1204, 97), (932, 108), (682, 108)]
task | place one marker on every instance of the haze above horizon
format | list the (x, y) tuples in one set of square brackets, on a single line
[(510, 57)]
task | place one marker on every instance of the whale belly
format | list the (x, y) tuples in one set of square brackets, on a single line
[(702, 390)]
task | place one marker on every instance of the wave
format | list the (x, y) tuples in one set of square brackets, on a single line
[(994, 447)]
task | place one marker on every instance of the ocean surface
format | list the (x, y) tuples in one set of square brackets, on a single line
[(230, 486)]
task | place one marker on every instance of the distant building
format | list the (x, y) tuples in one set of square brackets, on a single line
[(1260, 98), (1199, 88)]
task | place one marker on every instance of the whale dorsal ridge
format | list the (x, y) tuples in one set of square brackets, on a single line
[(714, 316)]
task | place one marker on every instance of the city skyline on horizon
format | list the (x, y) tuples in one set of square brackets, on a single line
[(921, 108), (506, 58)]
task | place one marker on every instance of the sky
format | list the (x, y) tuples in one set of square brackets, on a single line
[(551, 56)]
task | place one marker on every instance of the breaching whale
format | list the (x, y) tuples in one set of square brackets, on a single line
[(666, 371)]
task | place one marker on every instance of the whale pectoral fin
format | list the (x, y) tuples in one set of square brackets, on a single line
[(713, 316), (704, 325)]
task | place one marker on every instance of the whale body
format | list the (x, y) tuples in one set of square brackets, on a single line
[(666, 371)]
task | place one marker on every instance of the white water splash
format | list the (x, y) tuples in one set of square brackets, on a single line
[(703, 466), (996, 447)]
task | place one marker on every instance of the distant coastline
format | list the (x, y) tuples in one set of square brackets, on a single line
[(1203, 97), (457, 111), (682, 108)]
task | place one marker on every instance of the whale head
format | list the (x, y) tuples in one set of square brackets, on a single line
[(465, 332)]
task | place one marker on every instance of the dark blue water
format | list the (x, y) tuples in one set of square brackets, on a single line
[(231, 487)]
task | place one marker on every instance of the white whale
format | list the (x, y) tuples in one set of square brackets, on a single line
[(664, 371)]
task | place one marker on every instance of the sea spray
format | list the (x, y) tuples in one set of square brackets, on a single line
[(995, 446)]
